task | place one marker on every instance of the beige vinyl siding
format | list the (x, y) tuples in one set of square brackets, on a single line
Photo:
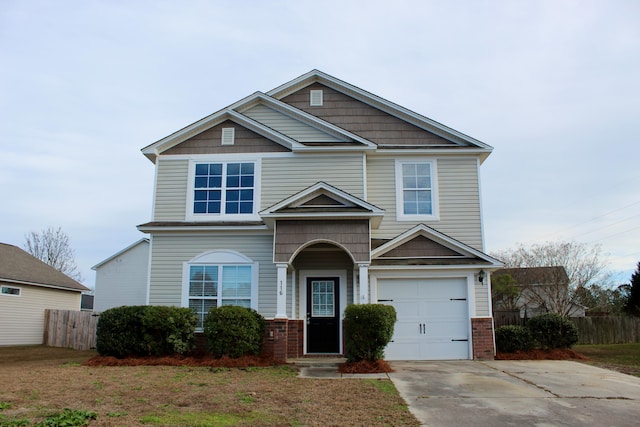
[(22, 317), (171, 251), (171, 190), (283, 177), (482, 300), (286, 125), (458, 198)]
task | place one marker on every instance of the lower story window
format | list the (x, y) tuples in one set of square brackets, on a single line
[(213, 286), (10, 290)]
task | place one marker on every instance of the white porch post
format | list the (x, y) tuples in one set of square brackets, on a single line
[(281, 289), (364, 283)]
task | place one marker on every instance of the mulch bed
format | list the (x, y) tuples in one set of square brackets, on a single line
[(204, 361), (555, 354)]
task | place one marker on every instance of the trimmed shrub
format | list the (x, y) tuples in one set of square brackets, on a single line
[(551, 331), (145, 331), (234, 331), (368, 329), (512, 338)]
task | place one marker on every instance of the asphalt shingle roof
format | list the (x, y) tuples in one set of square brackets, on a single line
[(18, 266)]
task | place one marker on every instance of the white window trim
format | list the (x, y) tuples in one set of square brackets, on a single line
[(220, 258), (257, 173), (400, 215), (11, 295)]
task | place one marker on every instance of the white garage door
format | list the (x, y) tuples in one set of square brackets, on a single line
[(433, 318)]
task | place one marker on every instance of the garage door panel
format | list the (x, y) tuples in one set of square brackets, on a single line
[(433, 321)]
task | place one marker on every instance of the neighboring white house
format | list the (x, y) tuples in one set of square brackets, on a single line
[(121, 279), (28, 287)]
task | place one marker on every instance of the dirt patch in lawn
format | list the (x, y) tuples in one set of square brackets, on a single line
[(193, 395)]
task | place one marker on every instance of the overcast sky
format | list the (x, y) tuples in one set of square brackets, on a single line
[(553, 86)]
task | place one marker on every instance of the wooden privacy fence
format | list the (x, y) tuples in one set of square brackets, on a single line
[(607, 329), (70, 329)]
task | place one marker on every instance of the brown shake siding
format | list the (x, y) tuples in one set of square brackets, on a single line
[(353, 235), (210, 142), (362, 119), (420, 247)]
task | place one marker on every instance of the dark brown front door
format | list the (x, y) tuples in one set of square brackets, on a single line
[(323, 315)]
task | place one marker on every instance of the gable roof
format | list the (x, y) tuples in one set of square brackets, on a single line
[(322, 200), (336, 137), (536, 275), (317, 76), (434, 245), (18, 266), (120, 252)]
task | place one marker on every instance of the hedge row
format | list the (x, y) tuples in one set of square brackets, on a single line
[(162, 331), (547, 331)]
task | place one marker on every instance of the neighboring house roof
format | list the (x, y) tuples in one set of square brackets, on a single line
[(536, 275), (20, 267), (250, 113), (117, 254)]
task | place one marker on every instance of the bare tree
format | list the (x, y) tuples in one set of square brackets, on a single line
[(53, 247), (556, 290)]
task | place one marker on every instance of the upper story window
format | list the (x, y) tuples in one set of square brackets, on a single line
[(416, 190), (224, 188)]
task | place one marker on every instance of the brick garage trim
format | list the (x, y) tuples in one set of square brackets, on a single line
[(482, 337)]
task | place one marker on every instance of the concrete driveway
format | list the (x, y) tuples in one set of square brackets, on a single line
[(517, 393)]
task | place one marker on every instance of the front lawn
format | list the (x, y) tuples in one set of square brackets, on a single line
[(619, 357), (32, 390)]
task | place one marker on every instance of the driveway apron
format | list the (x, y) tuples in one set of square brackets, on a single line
[(517, 393)]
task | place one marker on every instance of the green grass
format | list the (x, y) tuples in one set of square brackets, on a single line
[(621, 357)]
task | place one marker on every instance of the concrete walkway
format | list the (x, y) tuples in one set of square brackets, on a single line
[(517, 393), (327, 368)]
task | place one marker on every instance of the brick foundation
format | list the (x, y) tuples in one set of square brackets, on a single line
[(482, 334)]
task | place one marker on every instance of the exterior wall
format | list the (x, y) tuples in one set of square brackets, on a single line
[(482, 299), (458, 199), (171, 190), (287, 125), (362, 119), (170, 251), (123, 280), (482, 335), (352, 234), (210, 142), (285, 176), (22, 317)]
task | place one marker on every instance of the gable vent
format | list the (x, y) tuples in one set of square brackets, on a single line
[(228, 136), (315, 98)]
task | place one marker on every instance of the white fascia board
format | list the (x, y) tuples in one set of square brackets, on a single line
[(201, 228), (437, 237), (435, 267), (120, 252), (43, 285), (319, 186), (212, 120), (378, 102)]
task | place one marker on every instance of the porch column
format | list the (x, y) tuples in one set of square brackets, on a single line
[(364, 283), (281, 289)]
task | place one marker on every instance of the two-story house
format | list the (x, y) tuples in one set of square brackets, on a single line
[(316, 195)]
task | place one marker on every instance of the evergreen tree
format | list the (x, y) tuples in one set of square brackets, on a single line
[(633, 303)]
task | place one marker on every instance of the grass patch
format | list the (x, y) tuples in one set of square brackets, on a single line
[(189, 396), (620, 357), (199, 419)]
